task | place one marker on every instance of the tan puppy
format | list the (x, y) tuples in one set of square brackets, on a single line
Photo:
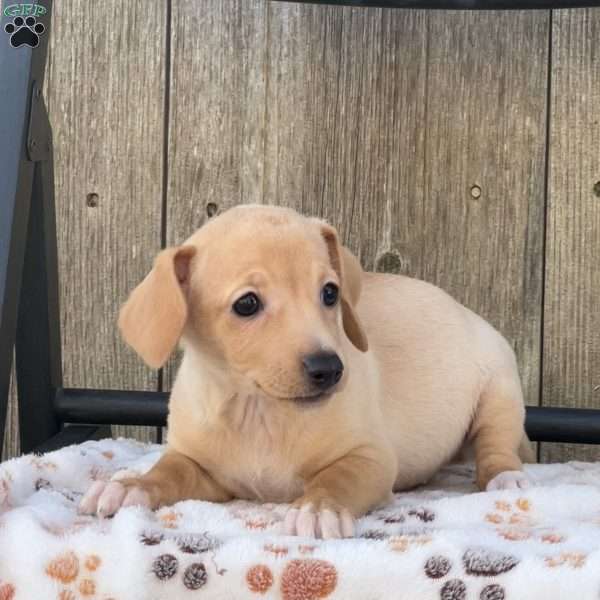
[(306, 380)]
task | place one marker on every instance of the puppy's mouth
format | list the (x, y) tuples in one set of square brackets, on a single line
[(316, 398)]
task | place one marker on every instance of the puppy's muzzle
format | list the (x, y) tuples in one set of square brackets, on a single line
[(323, 369)]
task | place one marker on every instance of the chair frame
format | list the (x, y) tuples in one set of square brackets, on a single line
[(51, 416)]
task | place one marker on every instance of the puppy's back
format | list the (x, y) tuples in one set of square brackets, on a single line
[(434, 357)]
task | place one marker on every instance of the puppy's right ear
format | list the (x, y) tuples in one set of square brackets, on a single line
[(153, 318)]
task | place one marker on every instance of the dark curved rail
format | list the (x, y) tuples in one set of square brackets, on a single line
[(113, 407)]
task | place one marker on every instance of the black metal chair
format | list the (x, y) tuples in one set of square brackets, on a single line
[(50, 415)]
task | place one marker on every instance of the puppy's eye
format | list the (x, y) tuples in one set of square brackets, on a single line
[(247, 305), (329, 294)]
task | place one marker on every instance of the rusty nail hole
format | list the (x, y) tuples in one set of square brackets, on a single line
[(92, 200), (211, 209), (475, 192), (597, 189)]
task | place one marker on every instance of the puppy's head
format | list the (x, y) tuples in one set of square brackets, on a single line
[(261, 291)]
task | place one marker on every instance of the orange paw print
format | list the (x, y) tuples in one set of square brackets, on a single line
[(276, 550), (514, 535), (575, 560), (169, 518), (402, 543), (506, 513), (66, 568)]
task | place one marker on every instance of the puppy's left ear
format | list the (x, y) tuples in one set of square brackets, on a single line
[(350, 272)]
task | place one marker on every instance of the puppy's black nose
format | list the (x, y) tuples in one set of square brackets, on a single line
[(324, 369)]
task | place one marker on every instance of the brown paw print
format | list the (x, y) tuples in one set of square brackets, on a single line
[(478, 562), (42, 484), (196, 543), (492, 592), (421, 513), (437, 567), (455, 589), (308, 579), (151, 538), (165, 566), (375, 534), (259, 579), (487, 562), (195, 576)]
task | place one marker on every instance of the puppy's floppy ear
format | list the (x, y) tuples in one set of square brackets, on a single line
[(153, 318), (349, 271)]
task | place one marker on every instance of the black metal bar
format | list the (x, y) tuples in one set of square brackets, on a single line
[(20, 68), (568, 425), (459, 4), (38, 352), (112, 407), (73, 434), (572, 425)]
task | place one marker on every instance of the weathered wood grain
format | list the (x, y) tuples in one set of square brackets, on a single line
[(217, 112), (479, 232), (11, 444), (572, 299), (345, 113), (106, 95)]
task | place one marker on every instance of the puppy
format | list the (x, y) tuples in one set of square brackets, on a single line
[(306, 380)]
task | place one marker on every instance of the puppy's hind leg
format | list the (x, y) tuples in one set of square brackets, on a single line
[(497, 433)]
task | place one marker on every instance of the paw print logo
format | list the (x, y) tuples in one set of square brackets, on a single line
[(24, 32)]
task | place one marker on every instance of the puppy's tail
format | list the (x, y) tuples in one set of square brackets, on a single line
[(527, 452)]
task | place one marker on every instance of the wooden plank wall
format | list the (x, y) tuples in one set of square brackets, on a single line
[(422, 136), (571, 371)]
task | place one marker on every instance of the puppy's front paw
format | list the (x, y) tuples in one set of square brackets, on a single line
[(105, 498), (508, 480), (318, 518)]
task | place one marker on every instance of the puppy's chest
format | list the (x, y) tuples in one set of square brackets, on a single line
[(262, 478), (258, 462)]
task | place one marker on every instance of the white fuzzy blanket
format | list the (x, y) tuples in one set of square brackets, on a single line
[(440, 542)]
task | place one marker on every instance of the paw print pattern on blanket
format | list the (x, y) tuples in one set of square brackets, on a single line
[(77, 576), (517, 524), (476, 562), (166, 566), (444, 539), (259, 579), (301, 579)]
